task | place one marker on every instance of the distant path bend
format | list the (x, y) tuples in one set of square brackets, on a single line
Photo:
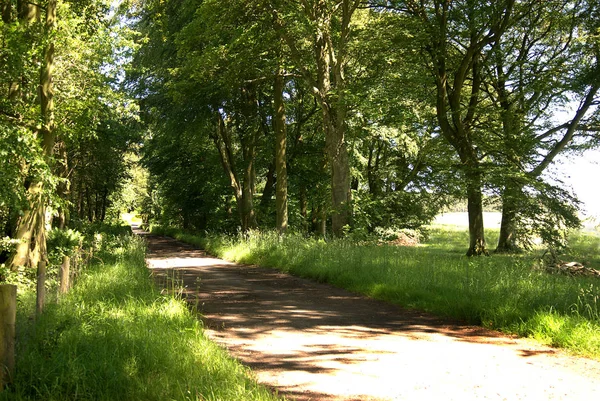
[(313, 342)]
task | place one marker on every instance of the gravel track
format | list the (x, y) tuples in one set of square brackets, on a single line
[(313, 342)]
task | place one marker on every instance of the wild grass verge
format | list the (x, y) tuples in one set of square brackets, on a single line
[(115, 337), (503, 292)]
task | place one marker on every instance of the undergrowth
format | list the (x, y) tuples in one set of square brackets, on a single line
[(504, 292), (115, 337)]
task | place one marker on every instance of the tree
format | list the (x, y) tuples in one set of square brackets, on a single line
[(239, 84), (236, 72), (457, 34), (47, 114), (499, 68), (535, 68), (327, 25), (31, 249), (279, 127), (401, 163)]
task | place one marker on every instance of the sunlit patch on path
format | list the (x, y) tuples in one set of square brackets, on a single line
[(313, 342), (176, 263)]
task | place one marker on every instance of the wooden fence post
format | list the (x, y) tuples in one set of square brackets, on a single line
[(8, 313), (65, 275)]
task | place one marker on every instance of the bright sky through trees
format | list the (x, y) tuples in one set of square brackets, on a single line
[(582, 172)]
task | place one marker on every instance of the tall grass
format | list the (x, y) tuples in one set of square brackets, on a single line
[(503, 292), (114, 337)]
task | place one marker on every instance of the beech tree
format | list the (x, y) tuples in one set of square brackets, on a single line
[(500, 70), (328, 27), (401, 105), (56, 76), (457, 36), (547, 60), (279, 126), (30, 232)]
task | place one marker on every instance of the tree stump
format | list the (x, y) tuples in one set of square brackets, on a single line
[(8, 314)]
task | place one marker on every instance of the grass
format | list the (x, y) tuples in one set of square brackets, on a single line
[(502, 292), (115, 337)]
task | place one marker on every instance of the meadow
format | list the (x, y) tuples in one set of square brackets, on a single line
[(116, 337), (510, 293)]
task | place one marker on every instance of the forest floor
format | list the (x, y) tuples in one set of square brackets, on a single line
[(313, 342)]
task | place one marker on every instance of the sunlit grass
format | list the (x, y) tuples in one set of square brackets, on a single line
[(505, 292), (585, 248), (114, 337), (131, 218)]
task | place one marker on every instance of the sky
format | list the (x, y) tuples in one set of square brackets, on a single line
[(583, 174)]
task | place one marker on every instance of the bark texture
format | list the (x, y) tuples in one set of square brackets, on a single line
[(8, 312), (331, 33), (281, 195), (243, 189), (65, 275)]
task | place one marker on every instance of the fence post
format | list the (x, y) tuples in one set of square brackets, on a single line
[(8, 313), (65, 274)]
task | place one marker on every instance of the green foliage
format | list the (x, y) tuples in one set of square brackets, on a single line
[(115, 337), (17, 146), (63, 242), (7, 244), (91, 119), (551, 213), (22, 277)]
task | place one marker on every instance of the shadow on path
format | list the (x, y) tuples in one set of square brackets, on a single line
[(311, 341)]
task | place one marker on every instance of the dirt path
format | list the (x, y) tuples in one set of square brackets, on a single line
[(310, 341)]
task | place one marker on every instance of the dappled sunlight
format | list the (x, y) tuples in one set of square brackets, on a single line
[(341, 361), (312, 341), (174, 263)]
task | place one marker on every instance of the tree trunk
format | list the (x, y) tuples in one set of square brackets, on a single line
[(477, 244), (8, 314), (104, 204), (319, 220), (27, 252), (247, 202), (331, 35), (375, 188), (88, 200), (281, 195), (507, 240), (41, 287), (64, 188), (269, 186), (243, 191), (334, 123), (80, 206), (97, 206), (47, 109), (6, 9), (30, 228), (304, 207), (340, 173), (28, 11)]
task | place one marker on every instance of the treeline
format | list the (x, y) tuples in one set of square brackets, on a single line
[(64, 124), (350, 115)]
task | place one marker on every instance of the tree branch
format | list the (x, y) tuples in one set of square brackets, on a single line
[(571, 130), (283, 34)]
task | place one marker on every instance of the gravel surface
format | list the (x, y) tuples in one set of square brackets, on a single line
[(311, 341)]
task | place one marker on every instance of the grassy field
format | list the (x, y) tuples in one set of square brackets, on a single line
[(508, 293), (115, 337)]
